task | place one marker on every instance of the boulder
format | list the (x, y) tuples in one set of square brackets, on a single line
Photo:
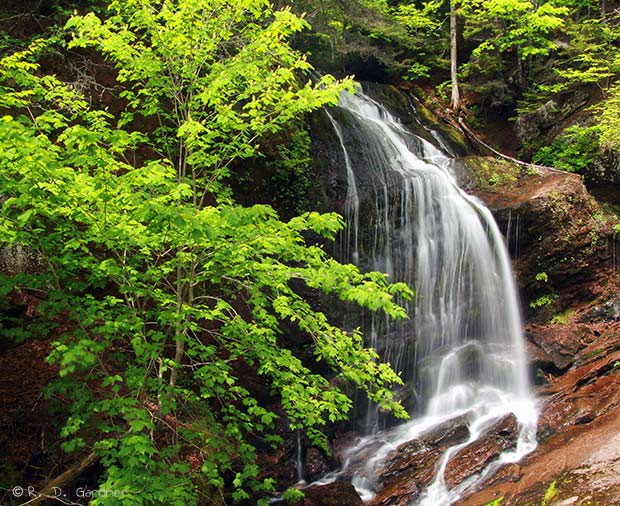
[(315, 464), (475, 457), (411, 467), (338, 493), (559, 344), (556, 232), (530, 126)]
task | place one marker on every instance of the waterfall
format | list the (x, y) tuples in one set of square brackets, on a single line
[(462, 353), (299, 463), (352, 201)]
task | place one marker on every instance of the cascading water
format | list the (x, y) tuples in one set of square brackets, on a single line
[(352, 202), (462, 353)]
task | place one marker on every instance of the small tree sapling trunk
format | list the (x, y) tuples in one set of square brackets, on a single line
[(455, 102)]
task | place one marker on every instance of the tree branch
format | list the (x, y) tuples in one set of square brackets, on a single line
[(66, 478)]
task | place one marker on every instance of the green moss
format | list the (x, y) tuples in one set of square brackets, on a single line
[(490, 174), (454, 137), (563, 318), (587, 357)]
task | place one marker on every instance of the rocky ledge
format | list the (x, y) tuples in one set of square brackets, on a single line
[(577, 462), (562, 241)]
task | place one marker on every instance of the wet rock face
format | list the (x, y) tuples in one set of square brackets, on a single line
[(606, 311), (475, 457), (556, 231), (417, 118), (604, 170), (577, 461), (328, 159), (338, 493), (409, 469), (531, 126), (554, 345), (588, 390)]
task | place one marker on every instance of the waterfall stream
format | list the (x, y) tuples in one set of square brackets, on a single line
[(462, 352)]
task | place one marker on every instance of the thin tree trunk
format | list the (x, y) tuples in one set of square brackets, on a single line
[(182, 290), (181, 329), (178, 358), (456, 98)]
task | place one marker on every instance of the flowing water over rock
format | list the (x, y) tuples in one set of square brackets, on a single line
[(462, 352)]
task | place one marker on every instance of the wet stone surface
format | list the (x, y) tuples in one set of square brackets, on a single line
[(411, 467), (577, 461), (338, 493), (475, 457)]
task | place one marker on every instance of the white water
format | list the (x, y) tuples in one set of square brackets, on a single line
[(462, 354), (353, 203), (299, 463)]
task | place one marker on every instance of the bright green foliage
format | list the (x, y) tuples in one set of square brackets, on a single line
[(158, 287), (424, 20), (563, 318), (543, 301), (587, 55), (550, 493), (416, 71), (609, 119), (423, 24), (230, 71), (590, 57), (496, 502), (574, 150), (547, 299), (513, 30), (513, 25), (542, 276)]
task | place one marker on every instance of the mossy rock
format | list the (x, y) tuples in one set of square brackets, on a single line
[(489, 174)]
